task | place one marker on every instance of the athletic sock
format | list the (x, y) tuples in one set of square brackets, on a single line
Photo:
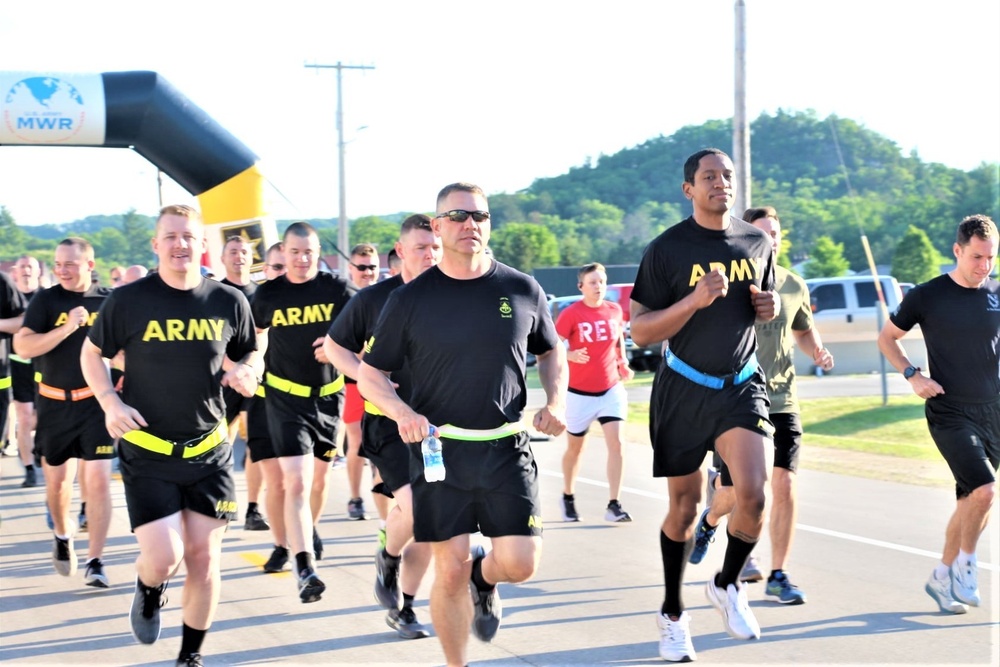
[(251, 507), (965, 557), (737, 553), (674, 556), (477, 576), (191, 640), (407, 600), (941, 571), (29, 467), (303, 561), (83, 509), (393, 560)]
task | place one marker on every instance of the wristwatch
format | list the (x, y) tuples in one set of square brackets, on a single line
[(910, 372)]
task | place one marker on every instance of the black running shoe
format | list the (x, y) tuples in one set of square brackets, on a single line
[(63, 556), (317, 545), (145, 613), (386, 580), (94, 574), (277, 561), (405, 623), (30, 479), (310, 587), (190, 660), (486, 606), (255, 521)]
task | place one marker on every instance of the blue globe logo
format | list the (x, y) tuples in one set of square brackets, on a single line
[(43, 110)]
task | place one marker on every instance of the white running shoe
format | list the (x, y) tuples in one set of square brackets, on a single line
[(732, 603), (965, 582), (675, 638), (940, 590)]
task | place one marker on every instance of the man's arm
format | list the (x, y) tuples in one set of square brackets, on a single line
[(554, 376), (653, 326), (377, 388), (118, 417), (809, 342), (891, 347), (10, 325), (29, 344)]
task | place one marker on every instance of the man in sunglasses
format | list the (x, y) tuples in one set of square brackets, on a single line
[(401, 563), (304, 395), (364, 270), (462, 329)]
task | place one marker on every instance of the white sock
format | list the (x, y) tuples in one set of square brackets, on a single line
[(941, 571), (964, 557)]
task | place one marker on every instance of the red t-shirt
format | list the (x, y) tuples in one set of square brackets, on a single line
[(599, 330)]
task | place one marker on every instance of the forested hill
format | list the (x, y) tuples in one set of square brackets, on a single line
[(609, 209)]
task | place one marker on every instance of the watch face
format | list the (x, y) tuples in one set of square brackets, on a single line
[(910, 372)]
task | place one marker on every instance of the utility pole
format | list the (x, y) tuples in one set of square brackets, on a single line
[(342, 235), (741, 127)]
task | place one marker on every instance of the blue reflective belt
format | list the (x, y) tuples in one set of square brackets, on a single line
[(675, 364)]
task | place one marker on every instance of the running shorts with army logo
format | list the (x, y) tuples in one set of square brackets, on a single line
[(787, 445), (490, 486), (72, 430), (22, 380), (300, 426)]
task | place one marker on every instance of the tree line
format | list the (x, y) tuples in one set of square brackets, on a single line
[(831, 180)]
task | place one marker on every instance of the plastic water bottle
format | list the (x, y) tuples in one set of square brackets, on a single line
[(434, 470)]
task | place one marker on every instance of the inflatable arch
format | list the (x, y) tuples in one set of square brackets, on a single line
[(142, 111)]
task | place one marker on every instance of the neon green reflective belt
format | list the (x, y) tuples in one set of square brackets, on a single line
[(303, 390), (179, 449), (259, 391), (371, 409), (480, 435), (20, 360), (4, 383)]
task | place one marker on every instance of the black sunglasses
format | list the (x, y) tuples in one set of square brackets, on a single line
[(458, 215), (276, 267), (364, 267)]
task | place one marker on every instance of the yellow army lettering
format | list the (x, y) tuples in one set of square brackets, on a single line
[(105, 449), (225, 507), (61, 320), (739, 269), (194, 329), (534, 521), (322, 312), (369, 344)]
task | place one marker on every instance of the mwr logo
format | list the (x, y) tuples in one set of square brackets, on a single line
[(225, 507), (46, 110)]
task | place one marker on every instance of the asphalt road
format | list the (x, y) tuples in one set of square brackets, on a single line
[(862, 553)]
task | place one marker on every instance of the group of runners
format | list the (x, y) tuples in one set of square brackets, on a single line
[(438, 351)]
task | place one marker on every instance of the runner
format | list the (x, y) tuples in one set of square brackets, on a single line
[(185, 338), (12, 307), (463, 329), (400, 563), (26, 275)]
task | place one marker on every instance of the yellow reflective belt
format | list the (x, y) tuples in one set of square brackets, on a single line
[(303, 390), (259, 391), (5, 383), (166, 447), (372, 410), (480, 435), (38, 376)]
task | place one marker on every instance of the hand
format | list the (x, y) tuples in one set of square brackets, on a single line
[(413, 427), (578, 356), (119, 418), (319, 353), (76, 318), (925, 387), (625, 372), (823, 359), (713, 285), (241, 378), (764, 303), (549, 421)]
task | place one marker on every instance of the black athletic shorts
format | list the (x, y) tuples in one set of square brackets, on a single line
[(4, 409), (157, 486), (382, 446), (685, 418), (258, 434), (787, 445), (22, 377), (299, 425), (968, 437), (489, 486), (72, 430), (235, 403)]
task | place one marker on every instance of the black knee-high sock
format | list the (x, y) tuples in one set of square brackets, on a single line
[(737, 553), (675, 556), (191, 640)]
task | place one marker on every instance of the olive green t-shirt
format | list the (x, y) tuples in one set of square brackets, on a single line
[(776, 340)]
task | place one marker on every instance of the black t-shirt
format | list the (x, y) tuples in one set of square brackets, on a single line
[(356, 324), (465, 343), (961, 328), (718, 339), (11, 305), (248, 289), (48, 309), (174, 342), (296, 315)]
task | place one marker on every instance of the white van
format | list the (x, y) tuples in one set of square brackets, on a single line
[(845, 313)]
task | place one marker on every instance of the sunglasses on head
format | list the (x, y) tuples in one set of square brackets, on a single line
[(365, 267), (276, 267), (458, 215)]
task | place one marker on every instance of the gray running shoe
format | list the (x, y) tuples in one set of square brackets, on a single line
[(404, 622), (277, 561), (751, 571), (94, 575), (145, 613), (940, 591), (486, 605), (675, 638), (965, 582), (781, 589), (63, 556), (386, 580), (615, 513), (356, 509)]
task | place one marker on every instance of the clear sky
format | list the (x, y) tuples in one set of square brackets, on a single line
[(494, 92)]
